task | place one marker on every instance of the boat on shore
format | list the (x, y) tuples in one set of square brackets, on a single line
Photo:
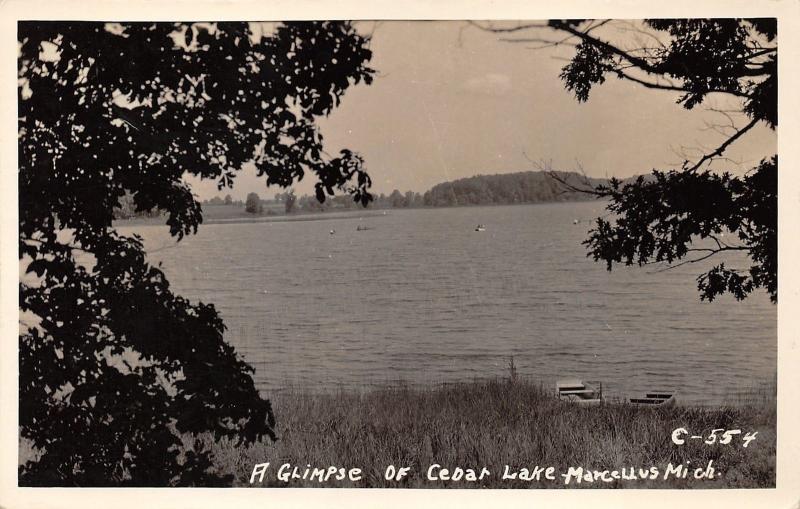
[(654, 399), (579, 391)]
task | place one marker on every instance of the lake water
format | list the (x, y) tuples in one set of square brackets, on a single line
[(421, 297)]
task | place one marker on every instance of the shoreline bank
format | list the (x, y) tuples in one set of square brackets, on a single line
[(501, 426), (502, 433)]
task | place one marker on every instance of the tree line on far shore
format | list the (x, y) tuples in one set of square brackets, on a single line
[(501, 189)]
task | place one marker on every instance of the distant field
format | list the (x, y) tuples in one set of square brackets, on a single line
[(272, 212), (216, 212), (498, 423), (211, 213), (224, 212)]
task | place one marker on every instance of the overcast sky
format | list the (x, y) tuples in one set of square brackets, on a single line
[(452, 101)]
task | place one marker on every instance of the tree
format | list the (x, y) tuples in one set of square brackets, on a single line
[(228, 199), (116, 370), (343, 202), (681, 215), (382, 201), (289, 201), (396, 199), (126, 209), (311, 204), (253, 204)]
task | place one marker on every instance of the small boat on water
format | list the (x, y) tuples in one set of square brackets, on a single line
[(480, 228), (361, 228), (654, 399), (579, 391)]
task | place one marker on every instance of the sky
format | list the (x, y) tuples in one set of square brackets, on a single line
[(452, 101)]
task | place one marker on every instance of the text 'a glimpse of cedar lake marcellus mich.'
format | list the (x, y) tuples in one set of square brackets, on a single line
[(287, 473)]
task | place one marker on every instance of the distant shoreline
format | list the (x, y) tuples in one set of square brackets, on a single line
[(211, 214), (307, 216)]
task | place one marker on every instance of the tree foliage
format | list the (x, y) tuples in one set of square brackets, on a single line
[(501, 189), (289, 201), (115, 368), (506, 189), (682, 215), (253, 204), (126, 209)]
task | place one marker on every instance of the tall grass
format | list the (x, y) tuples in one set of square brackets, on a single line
[(497, 423)]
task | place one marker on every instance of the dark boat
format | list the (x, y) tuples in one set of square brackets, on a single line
[(654, 399)]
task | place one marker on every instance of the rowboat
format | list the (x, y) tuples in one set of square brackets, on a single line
[(579, 391), (654, 399)]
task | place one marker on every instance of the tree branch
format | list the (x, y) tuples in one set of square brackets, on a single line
[(517, 28), (719, 150), (685, 262), (644, 83), (636, 61)]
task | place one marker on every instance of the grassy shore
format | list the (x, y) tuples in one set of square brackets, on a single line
[(496, 423)]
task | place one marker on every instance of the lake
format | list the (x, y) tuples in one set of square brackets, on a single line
[(420, 297)]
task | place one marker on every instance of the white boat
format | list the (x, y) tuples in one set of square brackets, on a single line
[(579, 391), (480, 228), (654, 399)]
